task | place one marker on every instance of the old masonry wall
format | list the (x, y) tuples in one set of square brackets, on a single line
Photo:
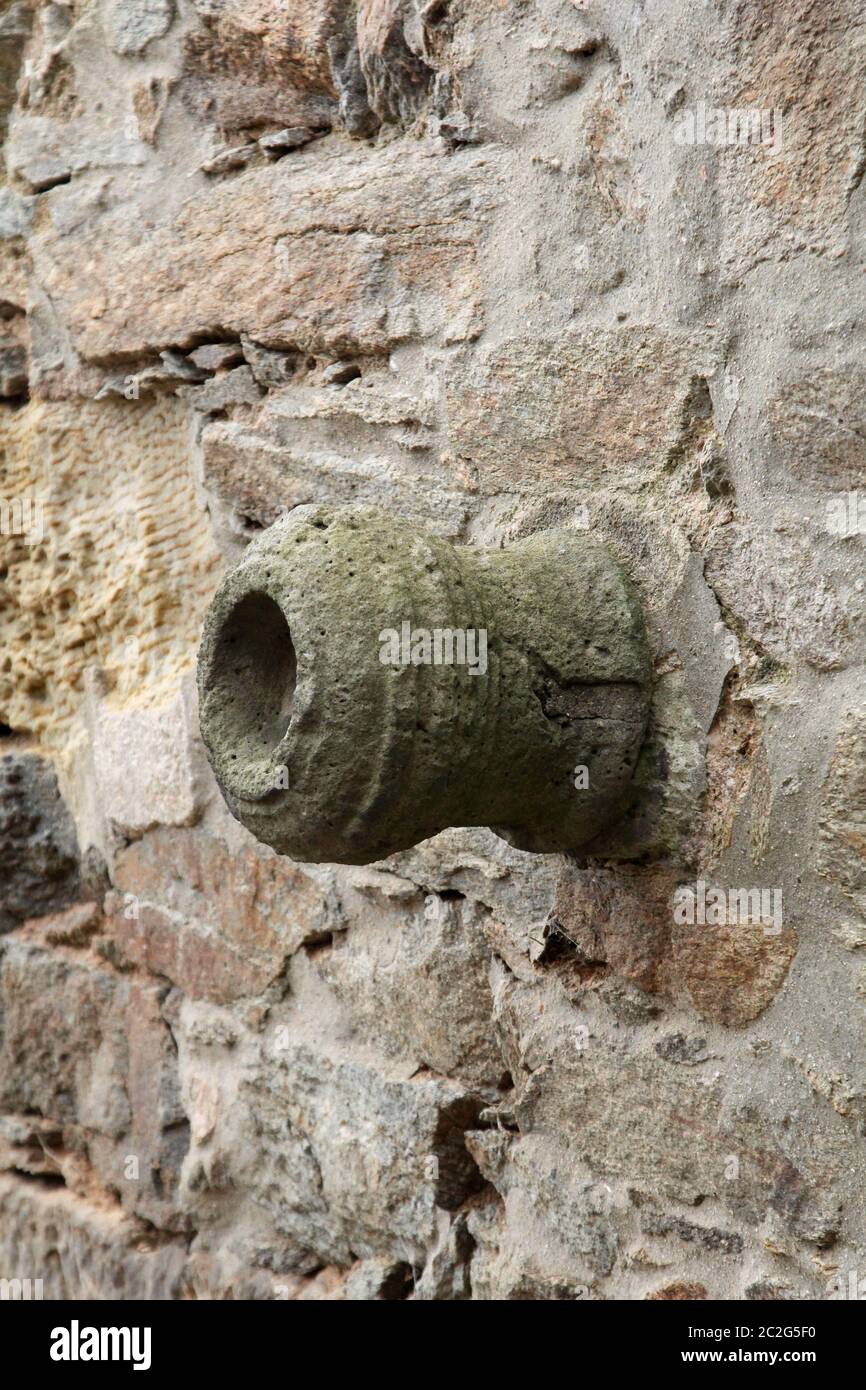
[(491, 266)]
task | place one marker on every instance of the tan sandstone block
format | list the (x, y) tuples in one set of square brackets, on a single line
[(124, 566)]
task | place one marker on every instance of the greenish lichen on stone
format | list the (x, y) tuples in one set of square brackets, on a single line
[(364, 686)]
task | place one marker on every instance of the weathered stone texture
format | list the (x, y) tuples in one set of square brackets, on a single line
[(565, 412), (38, 846), (842, 823), (113, 1094), (330, 258), (459, 263), (219, 925), (115, 575)]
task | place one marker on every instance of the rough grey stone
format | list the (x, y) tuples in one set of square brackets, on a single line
[(16, 213), (346, 1159), (280, 142), (13, 372), (659, 1224), (416, 984), (269, 368), (236, 387), (38, 847), (133, 24)]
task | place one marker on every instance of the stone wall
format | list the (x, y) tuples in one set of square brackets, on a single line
[(491, 266)]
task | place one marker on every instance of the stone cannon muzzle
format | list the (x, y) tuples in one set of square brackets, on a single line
[(364, 685)]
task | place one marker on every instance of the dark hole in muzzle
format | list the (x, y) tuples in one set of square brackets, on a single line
[(249, 706)]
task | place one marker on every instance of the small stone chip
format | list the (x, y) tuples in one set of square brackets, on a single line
[(210, 357), (280, 142), (226, 160)]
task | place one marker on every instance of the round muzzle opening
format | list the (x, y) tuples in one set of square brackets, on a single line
[(248, 708)]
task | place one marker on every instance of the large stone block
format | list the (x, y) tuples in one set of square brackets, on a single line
[(561, 412), (412, 978), (328, 258), (363, 442), (659, 1128), (148, 764)]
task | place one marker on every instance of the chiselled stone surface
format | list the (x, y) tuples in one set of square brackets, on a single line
[(110, 571), (261, 467)]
